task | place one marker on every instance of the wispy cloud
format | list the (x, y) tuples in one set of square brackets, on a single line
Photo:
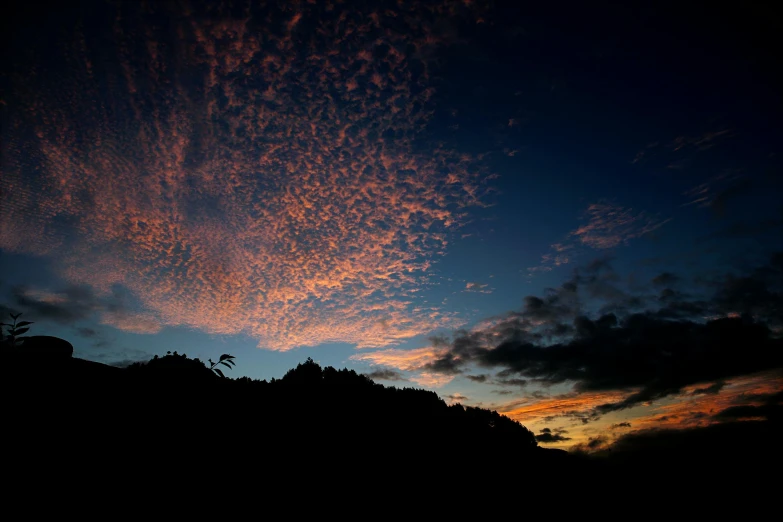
[(686, 410), (456, 397), (385, 375), (414, 361), (701, 142), (573, 405), (406, 360), (431, 379), (699, 409), (79, 303), (716, 192), (271, 185), (477, 288), (608, 225), (547, 436), (682, 145)]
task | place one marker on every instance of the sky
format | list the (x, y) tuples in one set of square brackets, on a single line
[(570, 215)]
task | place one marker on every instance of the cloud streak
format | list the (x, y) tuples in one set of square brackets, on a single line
[(385, 375), (607, 226), (79, 303), (415, 361)]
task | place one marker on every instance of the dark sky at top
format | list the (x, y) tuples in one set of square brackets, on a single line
[(496, 200)]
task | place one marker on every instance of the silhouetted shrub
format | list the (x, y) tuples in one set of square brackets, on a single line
[(10, 339)]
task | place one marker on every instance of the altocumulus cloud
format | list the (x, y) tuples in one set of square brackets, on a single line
[(257, 173)]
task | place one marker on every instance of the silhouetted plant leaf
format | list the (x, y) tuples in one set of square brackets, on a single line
[(217, 371), (23, 323), (19, 331), (226, 365), (224, 357), (15, 316)]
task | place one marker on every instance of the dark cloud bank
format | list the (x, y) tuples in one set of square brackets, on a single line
[(385, 375), (547, 436), (652, 343)]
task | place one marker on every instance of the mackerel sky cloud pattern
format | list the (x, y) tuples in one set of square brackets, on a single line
[(257, 172)]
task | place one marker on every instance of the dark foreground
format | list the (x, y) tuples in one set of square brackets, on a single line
[(333, 434)]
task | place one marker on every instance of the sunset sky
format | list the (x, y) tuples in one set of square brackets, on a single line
[(574, 220)]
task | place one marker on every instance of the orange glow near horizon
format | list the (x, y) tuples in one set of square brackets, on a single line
[(682, 411)]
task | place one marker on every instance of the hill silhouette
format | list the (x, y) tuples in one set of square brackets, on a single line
[(180, 395), (174, 417)]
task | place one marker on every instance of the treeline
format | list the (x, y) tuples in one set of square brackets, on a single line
[(173, 406)]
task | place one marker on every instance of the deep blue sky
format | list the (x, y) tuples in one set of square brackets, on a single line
[(168, 172)]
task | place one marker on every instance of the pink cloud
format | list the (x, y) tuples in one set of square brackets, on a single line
[(257, 197), (133, 323), (413, 361)]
